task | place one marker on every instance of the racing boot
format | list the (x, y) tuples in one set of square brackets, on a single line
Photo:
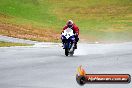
[(63, 46)]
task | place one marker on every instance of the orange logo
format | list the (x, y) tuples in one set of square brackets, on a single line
[(82, 77)]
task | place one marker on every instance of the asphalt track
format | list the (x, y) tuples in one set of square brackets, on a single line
[(46, 66)]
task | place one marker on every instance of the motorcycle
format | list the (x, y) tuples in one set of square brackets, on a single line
[(68, 39)]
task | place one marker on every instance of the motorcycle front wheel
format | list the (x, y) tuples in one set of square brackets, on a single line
[(66, 51)]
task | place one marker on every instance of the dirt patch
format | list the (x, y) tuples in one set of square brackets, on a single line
[(29, 32)]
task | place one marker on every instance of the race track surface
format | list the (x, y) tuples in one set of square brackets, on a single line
[(42, 66)]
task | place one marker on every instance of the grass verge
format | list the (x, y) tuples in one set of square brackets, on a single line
[(42, 20), (8, 44)]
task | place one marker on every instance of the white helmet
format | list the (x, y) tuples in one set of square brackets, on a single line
[(69, 23)]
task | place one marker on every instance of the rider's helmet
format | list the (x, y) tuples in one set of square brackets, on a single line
[(69, 23)]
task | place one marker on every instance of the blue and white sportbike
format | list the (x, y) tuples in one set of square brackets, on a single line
[(68, 40)]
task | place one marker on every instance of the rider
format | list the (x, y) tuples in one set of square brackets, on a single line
[(75, 29)]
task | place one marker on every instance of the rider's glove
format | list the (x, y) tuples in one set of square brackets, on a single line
[(62, 32)]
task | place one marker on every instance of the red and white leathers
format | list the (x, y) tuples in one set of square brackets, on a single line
[(74, 28)]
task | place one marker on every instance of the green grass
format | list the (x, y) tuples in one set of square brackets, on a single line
[(105, 20), (8, 44)]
